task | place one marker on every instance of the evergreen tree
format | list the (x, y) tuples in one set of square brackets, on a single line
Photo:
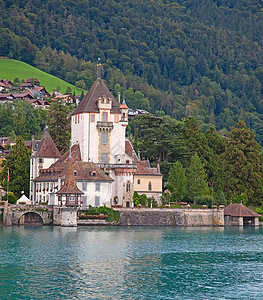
[(81, 96), (59, 125), (68, 90), (12, 136), (177, 181), (18, 164), (242, 162), (196, 179)]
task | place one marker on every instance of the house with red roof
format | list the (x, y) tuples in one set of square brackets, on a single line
[(49, 171)]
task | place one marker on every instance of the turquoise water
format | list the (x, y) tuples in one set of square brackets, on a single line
[(131, 263)]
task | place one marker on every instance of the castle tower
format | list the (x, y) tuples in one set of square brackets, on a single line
[(98, 125)]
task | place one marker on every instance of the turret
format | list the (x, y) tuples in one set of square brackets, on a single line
[(124, 112)]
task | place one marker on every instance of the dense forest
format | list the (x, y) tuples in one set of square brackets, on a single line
[(184, 58)]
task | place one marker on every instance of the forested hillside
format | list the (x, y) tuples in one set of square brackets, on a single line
[(199, 58)]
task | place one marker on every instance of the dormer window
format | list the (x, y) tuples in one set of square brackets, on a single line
[(93, 173), (75, 173)]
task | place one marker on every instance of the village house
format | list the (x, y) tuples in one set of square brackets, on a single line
[(7, 84), (44, 104), (63, 98), (147, 180), (25, 85), (7, 97), (34, 81)]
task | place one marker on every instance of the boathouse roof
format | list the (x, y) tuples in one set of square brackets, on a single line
[(239, 210)]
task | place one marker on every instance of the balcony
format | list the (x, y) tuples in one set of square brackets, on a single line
[(105, 125), (116, 166)]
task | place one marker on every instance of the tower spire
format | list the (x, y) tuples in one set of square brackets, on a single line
[(99, 68)]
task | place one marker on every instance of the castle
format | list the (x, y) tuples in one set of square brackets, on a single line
[(106, 168)]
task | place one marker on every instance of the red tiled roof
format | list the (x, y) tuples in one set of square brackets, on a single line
[(90, 101), (87, 171), (143, 168), (29, 80), (130, 151), (23, 95), (123, 105), (239, 210), (25, 84), (69, 186), (47, 147), (5, 96), (75, 155)]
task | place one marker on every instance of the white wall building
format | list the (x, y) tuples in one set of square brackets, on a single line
[(98, 125)]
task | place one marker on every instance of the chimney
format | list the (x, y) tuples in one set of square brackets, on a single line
[(119, 97)]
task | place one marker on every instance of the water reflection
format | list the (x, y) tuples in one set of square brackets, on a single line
[(130, 263)]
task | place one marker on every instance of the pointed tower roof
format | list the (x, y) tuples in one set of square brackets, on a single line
[(123, 105), (90, 101), (47, 147), (70, 186)]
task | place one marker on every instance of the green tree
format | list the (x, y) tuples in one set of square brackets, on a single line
[(18, 164), (16, 81), (59, 125), (242, 163), (177, 181), (68, 90), (12, 136), (196, 179), (81, 84)]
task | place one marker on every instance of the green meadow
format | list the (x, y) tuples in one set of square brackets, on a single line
[(11, 68)]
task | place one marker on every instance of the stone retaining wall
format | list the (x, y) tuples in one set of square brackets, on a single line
[(171, 217)]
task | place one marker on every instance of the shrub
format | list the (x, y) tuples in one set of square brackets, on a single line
[(204, 200), (11, 198)]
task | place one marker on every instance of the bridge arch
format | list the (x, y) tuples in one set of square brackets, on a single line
[(30, 218)]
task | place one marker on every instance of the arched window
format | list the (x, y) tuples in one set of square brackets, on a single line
[(150, 186)]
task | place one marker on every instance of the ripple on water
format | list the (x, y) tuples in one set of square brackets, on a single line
[(130, 263)]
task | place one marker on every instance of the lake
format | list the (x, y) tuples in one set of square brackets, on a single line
[(131, 263)]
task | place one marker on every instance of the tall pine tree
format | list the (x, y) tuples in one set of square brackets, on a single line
[(242, 162), (59, 125), (196, 179), (177, 181), (18, 164)]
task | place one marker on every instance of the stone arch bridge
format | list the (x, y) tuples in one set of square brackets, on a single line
[(28, 214)]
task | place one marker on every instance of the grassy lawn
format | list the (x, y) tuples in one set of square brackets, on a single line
[(11, 68)]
